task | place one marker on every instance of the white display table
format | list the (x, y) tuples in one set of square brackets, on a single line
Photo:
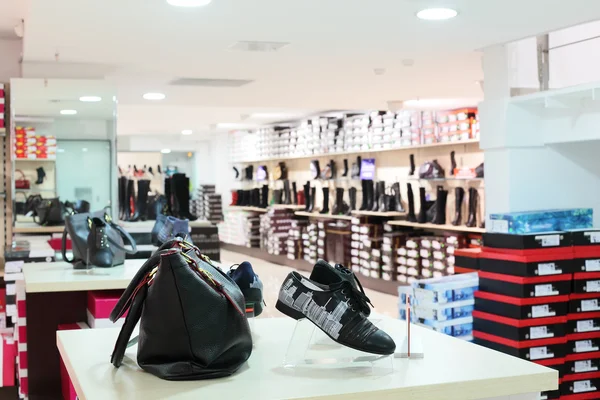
[(451, 369)]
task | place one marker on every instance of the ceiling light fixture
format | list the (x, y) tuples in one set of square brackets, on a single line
[(186, 132), (189, 3), (165, 151), (437, 14), (154, 96), (68, 112), (90, 99)]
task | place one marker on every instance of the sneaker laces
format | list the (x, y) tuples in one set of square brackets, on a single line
[(356, 294)]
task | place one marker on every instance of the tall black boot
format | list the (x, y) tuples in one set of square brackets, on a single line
[(411, 217), (313, 195), (141, 209), (412, 165), (352, 194), (294, 194), (452, 162), (169, 196), (370, 194), (325, 209), (345, 173), (397, 198), (473, 195), (122, 197), (264, 196), (338, 206), (181, 185), (459, 195), (422, 218), (440, 207), (365, 195), (287, 195), (379, 191), (129, 199), (41, 174), (307, 197)]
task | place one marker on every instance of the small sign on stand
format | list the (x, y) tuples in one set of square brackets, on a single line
[(412, 347)]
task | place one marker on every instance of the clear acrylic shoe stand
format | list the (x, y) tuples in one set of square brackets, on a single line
[(310, 347)]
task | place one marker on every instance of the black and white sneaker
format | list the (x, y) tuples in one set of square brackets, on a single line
[(339, 309)]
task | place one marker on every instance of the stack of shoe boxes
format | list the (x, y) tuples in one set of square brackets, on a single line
[(521, 309), (321, 236), (582, 361), (337, 245), (274, 230), (366, 241), (355, 245), (409, 261), (241, 228), (294, 241), (209, 205), (437, 255), (392, 241), (443, 304), (309, 242)]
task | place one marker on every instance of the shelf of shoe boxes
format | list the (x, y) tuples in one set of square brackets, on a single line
[(539, 299), (207, 204)]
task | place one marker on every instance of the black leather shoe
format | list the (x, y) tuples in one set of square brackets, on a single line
[(338, 309)]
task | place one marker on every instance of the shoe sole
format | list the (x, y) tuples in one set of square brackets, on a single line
[(297, 315), (254, 301)]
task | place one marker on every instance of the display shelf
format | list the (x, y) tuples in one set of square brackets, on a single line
[(323, 216), (444, 227), (287, 206), (35, 160), (247, 208), (365, 152), (386, 214), (36, 190), (2, 132), (32, 227)]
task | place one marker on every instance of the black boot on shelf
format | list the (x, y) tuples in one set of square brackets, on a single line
[(313, 196), (379, 192), (287, 195), (440, 207), (352, 194), (459, 195), (370, 194), (129, 199), (345, 173), (325, 209), (422, 218), (122, 197), (294, 194), (365, 195), (473, 196), (168, 196), (384, 202), (453, 163), (141, 209), (339, 208), (256, 197), (315, 169), (41, 174), (412, 165), (306, 197), (397, 198), (264, 196), (181, 185), (411, 217), (241, 198), (277, 196)]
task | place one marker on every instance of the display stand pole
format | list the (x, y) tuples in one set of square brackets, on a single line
[(411, 349)]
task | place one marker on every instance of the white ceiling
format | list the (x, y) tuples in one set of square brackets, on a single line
[(11, 13), (141, 45)]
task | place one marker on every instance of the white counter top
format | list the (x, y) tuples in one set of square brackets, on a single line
[(61, 277), (451, 370)]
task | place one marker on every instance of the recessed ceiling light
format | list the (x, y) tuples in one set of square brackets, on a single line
[(437, 14), (90, 99), (68, 112), (186, 132), (165, 151), (188, 3), (154, 96)]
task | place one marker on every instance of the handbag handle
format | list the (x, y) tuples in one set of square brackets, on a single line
[(125, 235), (23, 177), (131, 321), (63, 248)]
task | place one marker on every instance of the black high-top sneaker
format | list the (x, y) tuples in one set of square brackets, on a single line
[(338, 309), (98, 246)]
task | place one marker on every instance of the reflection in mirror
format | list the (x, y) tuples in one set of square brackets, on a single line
[(64, 133)]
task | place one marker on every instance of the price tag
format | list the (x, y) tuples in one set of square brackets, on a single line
[(538, 353), (548, 241), (539, 332), (583, 346), (542, 311), (590, 305), (584, 366), (548, 269), (592, 286), (594, 237), (545, 290), (587, 326), (592, 265), (499, 226), (583, 386)]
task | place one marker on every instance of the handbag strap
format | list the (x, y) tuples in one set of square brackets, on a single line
[(23, 177), (131, 321), (63, 247), (125, 236)]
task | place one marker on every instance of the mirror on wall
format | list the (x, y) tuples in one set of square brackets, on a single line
[(64, 132)]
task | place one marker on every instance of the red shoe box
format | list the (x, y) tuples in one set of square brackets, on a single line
[(586, 258), (586, 282), (526, 244), (519, 308), (100, 305), (583, 322), (532, 350), (68, 390), (467, 259), (519, 329), (584, 302), (580, 386), (526, 287), (527, 265)]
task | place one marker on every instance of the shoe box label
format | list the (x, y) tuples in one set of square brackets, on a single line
[(592, 265), (587, 325), (545, 290), (548, 269), (548, 240), (585, 346), (592, 286), (590, 305), (540, 353), (583, 386), (540, 332), (585, 366), (543, 310)]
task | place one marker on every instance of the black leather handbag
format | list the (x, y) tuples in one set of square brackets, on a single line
[(77, 226), (193, 322), (49, 212)]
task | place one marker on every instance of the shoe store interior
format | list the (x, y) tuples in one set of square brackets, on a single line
[(334, 199)]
